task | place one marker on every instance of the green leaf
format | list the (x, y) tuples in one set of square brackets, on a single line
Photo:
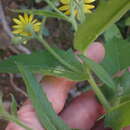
[(117, 55), (108, 93), (127, 22), (112, 32), (44, 62), (40, 12), (13, 106), (122, 90), (123, 87), (6, 116), (100, 72), (43, 108), (70, 58), (96, 23), (118, 117), (125, 82)]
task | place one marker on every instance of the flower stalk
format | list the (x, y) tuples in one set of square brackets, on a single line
[(90, 79), (97, 90), (58, 57)]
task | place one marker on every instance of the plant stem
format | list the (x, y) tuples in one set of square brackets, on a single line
[(97, 91), (6, 116), (72, 16), (57, 10), (69, 19), (58, 57), (18, 122)]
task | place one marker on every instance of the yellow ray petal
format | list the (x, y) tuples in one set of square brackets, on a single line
[(25, 34), (88, 7), (86, 10), (26, 18), (34, 21), (30, 18), (36, 28), (17, 26), (18, 31), (17, 21), (89, 1), (65, 1), (37, 24), (67, 12), (22, 19), (64, 7)]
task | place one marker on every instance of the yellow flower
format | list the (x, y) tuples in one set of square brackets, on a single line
[(86, 7), (24, 25)]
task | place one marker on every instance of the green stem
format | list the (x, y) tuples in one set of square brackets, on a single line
[(74, 24), (5, 115), (18, 122), (57, 10), (72, 16), (97, 91), (58, 57), (71, 20)]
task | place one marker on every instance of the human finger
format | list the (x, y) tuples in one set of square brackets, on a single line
[(82, 112), (96, 52), (57, 88), (27, 115)]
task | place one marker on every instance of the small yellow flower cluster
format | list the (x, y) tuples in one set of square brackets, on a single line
[(24, 23), (86, 7)]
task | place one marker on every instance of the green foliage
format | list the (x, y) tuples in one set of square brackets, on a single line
[(45, 63), (60, 63), (43, 108), (125, 84), (10, 117), (117, 55), (122, 91), (112, 32), (13, 106), (127, 22), (107, 13), (40, 12), (119, 116), (99, 71)]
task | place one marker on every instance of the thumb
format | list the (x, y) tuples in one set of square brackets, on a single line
[(96, 52)]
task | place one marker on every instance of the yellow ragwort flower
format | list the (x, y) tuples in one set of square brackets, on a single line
[(24, 24), (86, 7)]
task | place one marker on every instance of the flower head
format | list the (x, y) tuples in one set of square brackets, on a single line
[(24, 25), (87, 6)]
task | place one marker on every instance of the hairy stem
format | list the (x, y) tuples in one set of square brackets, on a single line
[(97, 91), (52, 51), (18, 122), (69, 19), (57, 10)]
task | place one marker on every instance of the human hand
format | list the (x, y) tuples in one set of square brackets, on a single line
[(83, 111)]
